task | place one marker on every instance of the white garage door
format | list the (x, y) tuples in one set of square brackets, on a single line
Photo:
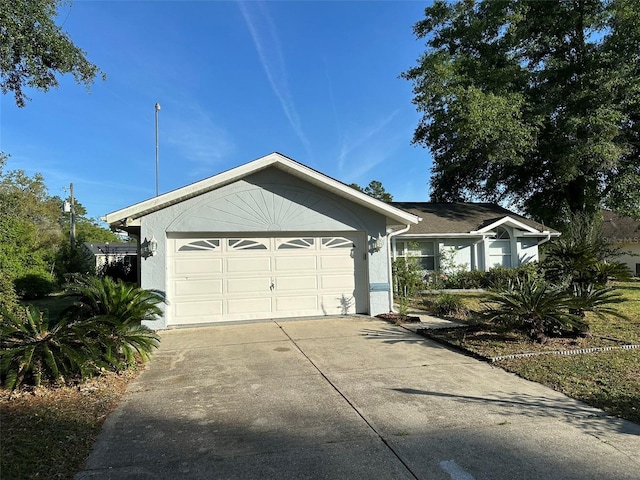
[(217, 279)]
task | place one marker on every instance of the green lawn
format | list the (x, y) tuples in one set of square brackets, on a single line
[(53, 304), (608, 380)]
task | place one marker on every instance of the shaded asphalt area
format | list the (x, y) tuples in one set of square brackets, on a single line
[(347, 398)]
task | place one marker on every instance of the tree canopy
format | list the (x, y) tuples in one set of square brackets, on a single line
[(534, 104), (375, 190), (34, 50), (34, 233)]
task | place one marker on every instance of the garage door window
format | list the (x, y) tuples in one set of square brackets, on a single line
[(298, 243), (246, 244), (200, 245), (337, 242)]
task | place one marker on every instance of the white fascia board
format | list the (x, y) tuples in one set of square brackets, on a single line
[(513, 222), (543, 233), (442, 235), (338, 188), (129, 216)]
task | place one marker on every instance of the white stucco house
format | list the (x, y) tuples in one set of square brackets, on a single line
[(274, 238), (475, 236), (269, 239), (623, 233)]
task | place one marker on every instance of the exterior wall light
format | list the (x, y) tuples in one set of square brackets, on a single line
[(149, 248), (378, 243)]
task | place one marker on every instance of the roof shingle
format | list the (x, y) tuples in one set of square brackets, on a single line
[(463, 217)]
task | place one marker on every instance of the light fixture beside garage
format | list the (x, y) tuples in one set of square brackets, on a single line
[(377, 243), (149, 248)]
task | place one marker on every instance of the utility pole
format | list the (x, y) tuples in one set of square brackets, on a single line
[(72, 227), (157, 109)]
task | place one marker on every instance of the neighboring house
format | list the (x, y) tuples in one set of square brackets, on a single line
[(624, 233), (474, 236), (269, 239), (101, 254)]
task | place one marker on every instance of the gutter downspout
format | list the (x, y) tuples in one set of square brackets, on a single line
[(544, 240), (389, 236)]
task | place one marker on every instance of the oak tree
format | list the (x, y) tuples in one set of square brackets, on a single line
[(34, 49), (534, 104)]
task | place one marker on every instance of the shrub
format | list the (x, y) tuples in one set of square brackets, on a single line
[(497, 278), (582, 256), (535, 307), (33, 349), (597, 300), (468, 279), (35, 285), (8, 296), (407, 276), (117, 310), (448, 304), (102, 329)]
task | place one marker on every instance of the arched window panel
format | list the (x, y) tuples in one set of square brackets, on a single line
[(246, 244), (337, 242), (502, 234), (200, 245), (296, 243)]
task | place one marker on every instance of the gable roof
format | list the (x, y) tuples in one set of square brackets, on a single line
[(619, 228), (129, 216), (466, 218)]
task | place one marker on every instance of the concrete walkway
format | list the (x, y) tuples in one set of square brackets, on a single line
[(347, 398)]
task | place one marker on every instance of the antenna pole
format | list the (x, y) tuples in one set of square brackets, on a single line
[(157, 109)]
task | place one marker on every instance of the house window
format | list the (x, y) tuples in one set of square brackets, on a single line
[(500, 249), (423, 251)]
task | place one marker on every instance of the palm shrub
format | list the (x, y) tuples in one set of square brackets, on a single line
[(535, 307), (449, 304), (34, 349), (597, 300), (116, 309), (583, 256)]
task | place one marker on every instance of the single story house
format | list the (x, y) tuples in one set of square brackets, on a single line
[(274, 238), (269, 239), (623, 233), (99, 254), (472, 236)]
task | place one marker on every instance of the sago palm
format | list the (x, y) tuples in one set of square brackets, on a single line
[(116, 310), (535, 307), (34, 349)]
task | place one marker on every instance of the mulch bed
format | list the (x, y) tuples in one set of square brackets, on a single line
[(48, 432)]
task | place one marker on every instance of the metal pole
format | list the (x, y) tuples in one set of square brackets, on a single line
[(72, 228), (157, 109)]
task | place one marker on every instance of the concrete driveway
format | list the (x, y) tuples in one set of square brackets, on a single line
[(347, 398)]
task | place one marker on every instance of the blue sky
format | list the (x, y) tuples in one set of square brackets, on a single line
[(316, 81)]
